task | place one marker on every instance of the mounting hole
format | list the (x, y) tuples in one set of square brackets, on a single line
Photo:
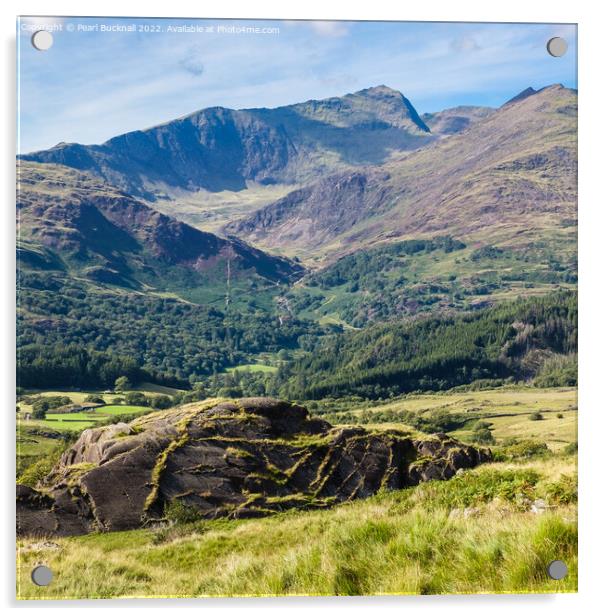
[(41, 575), (42, 40), (557, 569), (557, 46)]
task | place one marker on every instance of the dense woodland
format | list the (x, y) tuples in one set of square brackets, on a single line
[(511, 340), (70, 333), (171, 342)]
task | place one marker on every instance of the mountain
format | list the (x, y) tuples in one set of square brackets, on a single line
[(509, 178), (328, 208), (219, 149), (521, 95), (455, 119), (72, 220)]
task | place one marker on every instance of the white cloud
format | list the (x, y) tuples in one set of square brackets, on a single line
[(330, 28)]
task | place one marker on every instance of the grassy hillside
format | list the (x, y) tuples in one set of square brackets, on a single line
[(474, 533), (508, 412)]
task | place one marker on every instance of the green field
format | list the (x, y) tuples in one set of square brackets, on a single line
[(80, 421), (257, 367), (461, 536), (508, 409)]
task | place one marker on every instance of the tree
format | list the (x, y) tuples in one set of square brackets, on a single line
[(122, 384), (161, 402), (136, 398), (94, 398), (39, 409)]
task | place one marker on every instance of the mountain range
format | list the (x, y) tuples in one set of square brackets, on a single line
[(73, 221), (512, 172), (313, 210), (222, 149)]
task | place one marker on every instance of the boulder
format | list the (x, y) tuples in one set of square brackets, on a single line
[(240, 458)]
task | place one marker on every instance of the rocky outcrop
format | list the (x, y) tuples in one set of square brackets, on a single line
[(242, 458)]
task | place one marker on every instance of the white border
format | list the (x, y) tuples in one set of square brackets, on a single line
[(583, 12)]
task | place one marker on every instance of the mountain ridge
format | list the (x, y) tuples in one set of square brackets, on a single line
[(222, 149), (91, 224), (457, 185)]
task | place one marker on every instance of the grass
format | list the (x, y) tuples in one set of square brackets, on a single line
[(153, 388), (80, 421), (417, 541), (508, 409), (256, 367), (472, 534)]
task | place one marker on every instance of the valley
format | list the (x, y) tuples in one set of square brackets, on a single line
[(301, 341)]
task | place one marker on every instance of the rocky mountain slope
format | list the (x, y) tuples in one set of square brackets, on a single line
[(244, 458), (75, 220), (222, 149), (510, 177), (455, 119)]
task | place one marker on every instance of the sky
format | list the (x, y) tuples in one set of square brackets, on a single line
[(98, 81)]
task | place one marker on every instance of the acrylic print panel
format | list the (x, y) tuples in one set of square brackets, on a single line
[(296, 308)]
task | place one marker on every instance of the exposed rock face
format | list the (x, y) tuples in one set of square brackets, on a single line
[(242, 458)]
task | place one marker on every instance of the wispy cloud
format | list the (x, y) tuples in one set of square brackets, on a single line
[(92, 86), (330, 28)]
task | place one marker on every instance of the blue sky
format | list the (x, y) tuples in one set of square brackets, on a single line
[(93, 85)]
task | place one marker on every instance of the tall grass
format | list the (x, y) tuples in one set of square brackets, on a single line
[(468, 535)]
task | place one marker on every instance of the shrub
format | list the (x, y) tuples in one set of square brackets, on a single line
[(179, 513), (559, 415), (483, 437), (161, 402), (563, 491), (524, 449), (94, 398), (136, 398), (39, 409), (474, 488), (571, 448), (536, 416)]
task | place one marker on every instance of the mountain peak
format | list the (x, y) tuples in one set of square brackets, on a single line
[(520, 96), (378, 91)]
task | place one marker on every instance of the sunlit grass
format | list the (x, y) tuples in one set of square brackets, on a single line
[(418, 540)]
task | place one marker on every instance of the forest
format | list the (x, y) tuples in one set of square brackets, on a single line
[(511, 340), (85, 336)]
